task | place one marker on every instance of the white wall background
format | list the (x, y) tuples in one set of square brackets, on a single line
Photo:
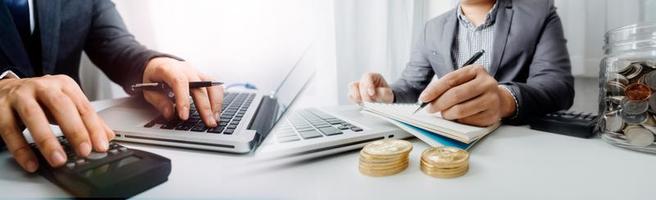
[(256, 40), (586, 21)]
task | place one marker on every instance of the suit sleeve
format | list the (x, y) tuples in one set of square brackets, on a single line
[(550, 85), (113, 49), (416, 75)]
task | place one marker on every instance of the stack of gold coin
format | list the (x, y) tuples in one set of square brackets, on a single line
[(444, 162), (384, 157)]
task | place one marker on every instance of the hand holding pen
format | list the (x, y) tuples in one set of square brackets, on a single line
[(162, 87), (469, 95), (179, 76), (471, 60)]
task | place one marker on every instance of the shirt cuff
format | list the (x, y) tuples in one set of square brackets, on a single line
[(514, 96), (8, 74)]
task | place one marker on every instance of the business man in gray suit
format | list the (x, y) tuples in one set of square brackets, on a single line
[(525, 71), (39, 38)]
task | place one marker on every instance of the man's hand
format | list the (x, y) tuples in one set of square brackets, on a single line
[(177, 75), (469, 95), (31, 102), (371, 88)]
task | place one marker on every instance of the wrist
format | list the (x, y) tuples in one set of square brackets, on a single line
[(153, 64), (508, 105), (158, 61)]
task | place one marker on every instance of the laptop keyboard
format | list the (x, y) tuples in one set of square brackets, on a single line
[(234, 107), (311, 124)]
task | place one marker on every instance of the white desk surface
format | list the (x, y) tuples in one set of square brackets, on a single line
[(512, 163)]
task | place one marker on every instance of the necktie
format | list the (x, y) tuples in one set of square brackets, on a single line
[(20, 13)]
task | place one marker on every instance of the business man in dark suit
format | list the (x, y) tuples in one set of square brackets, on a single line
[(525, 71), (41, 42)]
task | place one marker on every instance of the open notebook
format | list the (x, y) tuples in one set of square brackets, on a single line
[(402, 116)]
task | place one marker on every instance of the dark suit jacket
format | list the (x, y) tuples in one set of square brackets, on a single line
[(68, 27), (529, 56)]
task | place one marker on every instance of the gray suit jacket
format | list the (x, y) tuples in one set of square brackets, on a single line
[(529, 56)]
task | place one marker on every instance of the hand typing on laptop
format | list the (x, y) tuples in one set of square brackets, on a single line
[(177, 75), (33, 103)]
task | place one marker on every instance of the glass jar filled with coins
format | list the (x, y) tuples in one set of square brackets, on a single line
[(627, 97)]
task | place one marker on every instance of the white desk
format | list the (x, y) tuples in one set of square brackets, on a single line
[(512, 163)]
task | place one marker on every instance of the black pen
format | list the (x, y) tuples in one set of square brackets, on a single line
[(471, 60), (158, 86)]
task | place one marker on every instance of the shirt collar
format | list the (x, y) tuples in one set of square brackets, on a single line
[(489, 19)]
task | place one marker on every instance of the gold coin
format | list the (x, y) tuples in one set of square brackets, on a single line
[(387, 172), (387, 147), (401, 166), (445, 156), (383, 166), (450, 168), (445, 175), (440, 171), (378, 162), (443, 164), (374, 159)]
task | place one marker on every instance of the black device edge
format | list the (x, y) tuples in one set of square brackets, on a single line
[(263, 121), (83, 190)]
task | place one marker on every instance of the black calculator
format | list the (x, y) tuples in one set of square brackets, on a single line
[(571, 123), (118, 173)]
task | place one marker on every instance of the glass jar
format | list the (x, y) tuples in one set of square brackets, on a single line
[(627, 82)]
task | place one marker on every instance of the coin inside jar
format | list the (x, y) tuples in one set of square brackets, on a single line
[(614, 88), (632, 107), (639, 136), (634, 119), (650, 79), (652, 103), (632, 71), (649, 64), (637, 92), (617, 99), (618, 78), (613, 122)]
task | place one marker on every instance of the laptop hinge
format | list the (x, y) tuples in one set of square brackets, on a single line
[(264, 119)]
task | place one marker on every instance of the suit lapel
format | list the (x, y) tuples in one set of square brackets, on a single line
[(504, 21), (49, 26), (12, 45), (445, 45)]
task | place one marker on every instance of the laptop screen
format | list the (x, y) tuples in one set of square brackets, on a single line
[(294, 82)]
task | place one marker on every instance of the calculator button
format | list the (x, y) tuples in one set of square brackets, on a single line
[(96, 155), (80, 161), (70, 165), (113, 151), (123, 149)]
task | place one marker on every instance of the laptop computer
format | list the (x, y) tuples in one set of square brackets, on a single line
[(321, 131), (248, 117)]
